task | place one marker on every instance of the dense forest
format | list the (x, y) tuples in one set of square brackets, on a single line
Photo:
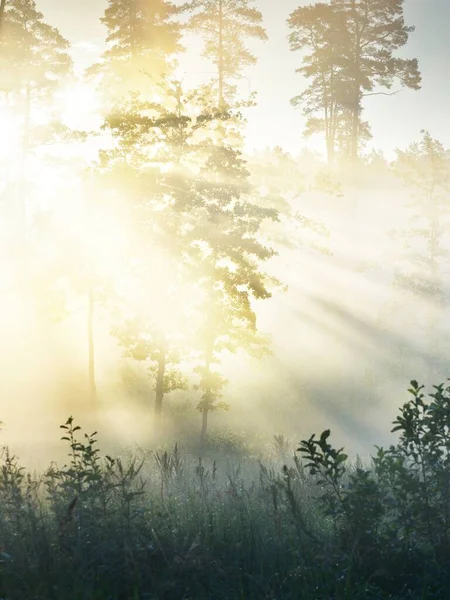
[(203, 306)]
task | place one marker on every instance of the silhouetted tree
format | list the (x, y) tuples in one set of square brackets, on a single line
[(351, 46), (158, 144), (34, 61), (143, 38), (203, 213), (227, 251), (321, 29), (425, 169), (225, 26), (80, 273)]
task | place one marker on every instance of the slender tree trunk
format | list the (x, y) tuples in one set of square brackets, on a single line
[(132, 24), (207, 397), (204, 427), (2, 14), (330, 148), (19, 210), (329, 108), (328, 117), (355, 130), (356, 100), (91, 344), (22, 191), (436, 307), (327, 132), (221, 69), (159, 389)]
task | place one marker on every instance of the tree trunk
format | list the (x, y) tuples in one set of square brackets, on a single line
[(356, 100), (2, 14), (133, 17), (204, 427), (436, 308), (207, 396), (221, 74), (330, 149), (355, 131), (327, 132), (159, 389), (22, 188), (91, 355)]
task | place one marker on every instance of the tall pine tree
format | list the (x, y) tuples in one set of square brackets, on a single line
[(34, 61), (225, 26), (351, 48), (143, 38)]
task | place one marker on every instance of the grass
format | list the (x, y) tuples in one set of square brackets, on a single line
[(167, 525)]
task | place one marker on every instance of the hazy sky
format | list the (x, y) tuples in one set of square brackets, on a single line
[(396, 121)]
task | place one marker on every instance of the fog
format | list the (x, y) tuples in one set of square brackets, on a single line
[(100, 268)]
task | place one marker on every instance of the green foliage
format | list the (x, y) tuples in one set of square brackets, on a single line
[(228, 442), (171, 523), (397, 512), (417, 469), (84, 470), (328, 463)]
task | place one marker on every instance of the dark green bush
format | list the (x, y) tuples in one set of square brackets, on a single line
[(173, 525)]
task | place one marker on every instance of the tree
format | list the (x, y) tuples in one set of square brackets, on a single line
[(33, 62), (2, 14), (35, 55), (200, 208), (225, 26), (377, 30), (227, 255), (352, 45), (229, 282), (83, 260), (321, 29), (425, 168), (143, 39), (146, 339), (158, 145)]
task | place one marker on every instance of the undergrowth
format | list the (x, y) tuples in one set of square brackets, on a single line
[(167, 525)]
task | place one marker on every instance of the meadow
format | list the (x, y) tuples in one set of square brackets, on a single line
[(223, 228), (300, 522)]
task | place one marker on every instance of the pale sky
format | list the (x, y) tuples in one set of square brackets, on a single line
[(396, 121)]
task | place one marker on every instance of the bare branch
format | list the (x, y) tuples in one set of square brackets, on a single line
[(381, 94)]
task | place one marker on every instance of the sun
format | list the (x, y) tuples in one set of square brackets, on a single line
[(10, 130), (80, 105)]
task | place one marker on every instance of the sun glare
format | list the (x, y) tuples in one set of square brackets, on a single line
[(10, 132), (80, 105)]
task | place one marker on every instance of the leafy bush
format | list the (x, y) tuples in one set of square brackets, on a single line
[(173, 526), (397, 514)]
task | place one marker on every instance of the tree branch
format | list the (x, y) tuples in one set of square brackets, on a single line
[(381, 94)]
